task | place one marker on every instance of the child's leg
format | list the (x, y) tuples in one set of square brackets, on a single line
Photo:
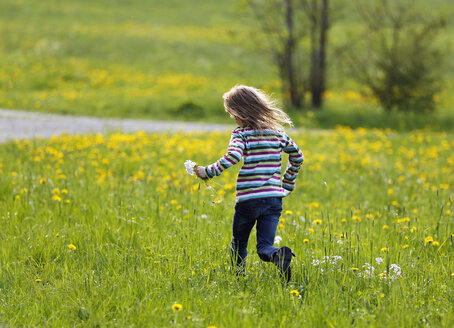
[(266, 228), (243, 221)]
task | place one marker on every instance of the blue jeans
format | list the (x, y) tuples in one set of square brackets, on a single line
[(266, 212)]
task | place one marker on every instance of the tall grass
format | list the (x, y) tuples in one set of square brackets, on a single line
[(111, 231)]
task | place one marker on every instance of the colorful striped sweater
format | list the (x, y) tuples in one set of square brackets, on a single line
[(261, 151)]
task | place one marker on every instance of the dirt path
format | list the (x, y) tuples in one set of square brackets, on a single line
[(16, 124)]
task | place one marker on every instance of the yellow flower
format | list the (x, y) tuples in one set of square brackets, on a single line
[(404, 246), (452, 274), (382, 295), (211, 326), (369, 216), (381, 275), (344, 220), (57, 235), (436, 243), (384, 249), (385, 226), (177, 307), (355, 269), (43, 181), (281, 226), (356, 218), (173, 202), (64, 191), (37, 280), (57, 198), (306, 241), (17, 197), (428, 239), (311, 230), (56, 191), (72, 247), (288, 212), (390, 191), (318, 222), (294, 292)]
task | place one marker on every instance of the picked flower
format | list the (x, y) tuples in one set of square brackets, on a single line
[(189, 165)]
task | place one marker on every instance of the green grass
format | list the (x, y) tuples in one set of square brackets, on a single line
[(147, 235), (161, 60)]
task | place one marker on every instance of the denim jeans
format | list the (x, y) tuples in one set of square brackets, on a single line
[(266, 212)]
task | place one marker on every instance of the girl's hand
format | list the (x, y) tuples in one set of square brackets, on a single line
[(200, 172)]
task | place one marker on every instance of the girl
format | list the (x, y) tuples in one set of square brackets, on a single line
[(259, 141)]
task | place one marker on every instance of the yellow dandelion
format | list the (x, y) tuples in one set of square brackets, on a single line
[(17, 197), (306, 241), (390, 191), (436, 243), (382, 295), (64, 191), (67, 201), (356, 218), (43, 181), (428, 239), (56, 198), (344, 220), (56, 191), (294, 292), (211, 326), (384, 249), (72, 247), (355, 269), (317, 222), (281, 226), (173, 202), (382, 275), (385, 226), (57, 235), (288, 212), (369, 216), (177, 307), (311, 230), (404, 246), (37, 280), (452, 274)]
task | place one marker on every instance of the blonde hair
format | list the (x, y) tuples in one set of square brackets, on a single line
[(254, 108)]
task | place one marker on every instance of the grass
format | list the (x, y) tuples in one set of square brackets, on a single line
[(162, 60), (111, 231)]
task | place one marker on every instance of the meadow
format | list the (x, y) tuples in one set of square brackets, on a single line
[(110, 230), (171, 60)]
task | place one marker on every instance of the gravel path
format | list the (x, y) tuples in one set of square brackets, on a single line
[(17, 124)]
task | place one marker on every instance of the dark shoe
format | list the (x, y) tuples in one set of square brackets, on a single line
[(282, 260)]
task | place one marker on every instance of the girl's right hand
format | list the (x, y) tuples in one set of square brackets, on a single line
[(200, 172)]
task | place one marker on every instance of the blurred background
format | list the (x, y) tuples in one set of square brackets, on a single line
[(374, 63)]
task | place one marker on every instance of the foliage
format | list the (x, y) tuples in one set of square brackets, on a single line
[(397, 57), (111, 230)]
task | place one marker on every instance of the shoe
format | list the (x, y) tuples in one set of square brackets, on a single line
[(282, 260)]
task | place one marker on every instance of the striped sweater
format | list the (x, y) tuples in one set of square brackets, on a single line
[(261, 151)]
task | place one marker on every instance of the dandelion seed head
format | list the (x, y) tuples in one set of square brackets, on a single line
[(189, 165)]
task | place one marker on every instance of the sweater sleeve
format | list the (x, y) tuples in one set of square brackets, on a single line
[(295, 161), (233, 156)]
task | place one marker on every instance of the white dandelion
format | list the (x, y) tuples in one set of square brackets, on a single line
[(189, 165)]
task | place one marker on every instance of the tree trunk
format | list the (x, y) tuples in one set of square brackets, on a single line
[(295, 98), (318, 40)]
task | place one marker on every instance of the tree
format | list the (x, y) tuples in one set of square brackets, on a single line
[(396, 57), (288, 26)]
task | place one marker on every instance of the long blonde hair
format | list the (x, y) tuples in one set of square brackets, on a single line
[(255, 109)]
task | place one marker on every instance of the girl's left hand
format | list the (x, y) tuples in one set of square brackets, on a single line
[(200, 172)]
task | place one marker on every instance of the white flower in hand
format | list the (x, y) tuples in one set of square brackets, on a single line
[(190, 167)]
